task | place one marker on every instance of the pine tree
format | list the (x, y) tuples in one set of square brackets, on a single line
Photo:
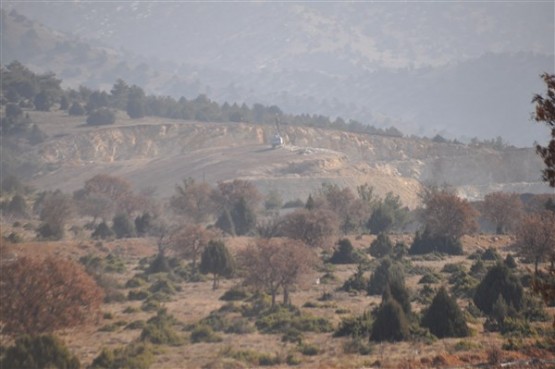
[(381, 246), (217, 260), (391, 323), (444, 318), (498, 281)]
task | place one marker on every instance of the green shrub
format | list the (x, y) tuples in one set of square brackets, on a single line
[(39, 352), (292, 335), (425, 295), (255, 358), (14, 237), (478, 269), (108, 315), (360, 326), (101, 116), (133, 356), (453, 268), (359, 346), (138, 295), (464, 286), (239, 326), (510, 261), (491, 254), (309, 350), (344, 253), (204, 333), (429, 278), (255, 305), (163, 286), (123, 227), (466, 345), (113, 326), (234, 294), (280, 319), (103, 232), (159, 330), (514, 327), (114, 264), (356, 282), (138, 280), (130, 310), (381, 246), (292, 360), (425, 243), (136, 324)]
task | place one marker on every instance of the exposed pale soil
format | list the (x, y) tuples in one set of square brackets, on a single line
[(156, 152)]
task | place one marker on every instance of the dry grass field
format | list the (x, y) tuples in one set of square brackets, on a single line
[(194, 301)]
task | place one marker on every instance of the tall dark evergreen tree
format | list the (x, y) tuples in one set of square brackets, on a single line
[(386, 271), (498, 281), (217, 260), (391, 323), (444, 318)]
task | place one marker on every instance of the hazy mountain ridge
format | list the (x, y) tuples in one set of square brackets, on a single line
[(382, 64)]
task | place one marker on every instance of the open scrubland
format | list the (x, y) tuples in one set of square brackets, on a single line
[(239, 339)]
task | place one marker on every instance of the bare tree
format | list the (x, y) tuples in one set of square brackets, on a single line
[(316, 228), (503, 209), (194, 200), (536, 237), (189, 241), (40, 296), (274, 264)]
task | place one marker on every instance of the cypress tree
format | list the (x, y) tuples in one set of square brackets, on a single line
[(391, 323), (498, 281), (444, 318)]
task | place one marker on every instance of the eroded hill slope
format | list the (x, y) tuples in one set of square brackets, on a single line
[(155, 152)]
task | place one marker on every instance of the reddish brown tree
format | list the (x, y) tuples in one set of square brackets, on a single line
[(316, 228), (503, 209), (545, 112), (115, 188), (447, 215), (535, 237), (41, 296), (194, 201), (189, 241), (274, 264)]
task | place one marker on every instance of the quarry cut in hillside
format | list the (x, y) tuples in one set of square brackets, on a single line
[(156, 152)]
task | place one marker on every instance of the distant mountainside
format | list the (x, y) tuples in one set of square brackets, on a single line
[(159, 153), (382, 64)]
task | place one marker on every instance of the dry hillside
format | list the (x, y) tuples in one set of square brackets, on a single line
[(158, 152)]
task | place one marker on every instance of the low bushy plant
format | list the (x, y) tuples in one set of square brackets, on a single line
[(204, 333), (159, 330), (309, 350), (235, 294), (360, 326), (38, 352), (133, 356)]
